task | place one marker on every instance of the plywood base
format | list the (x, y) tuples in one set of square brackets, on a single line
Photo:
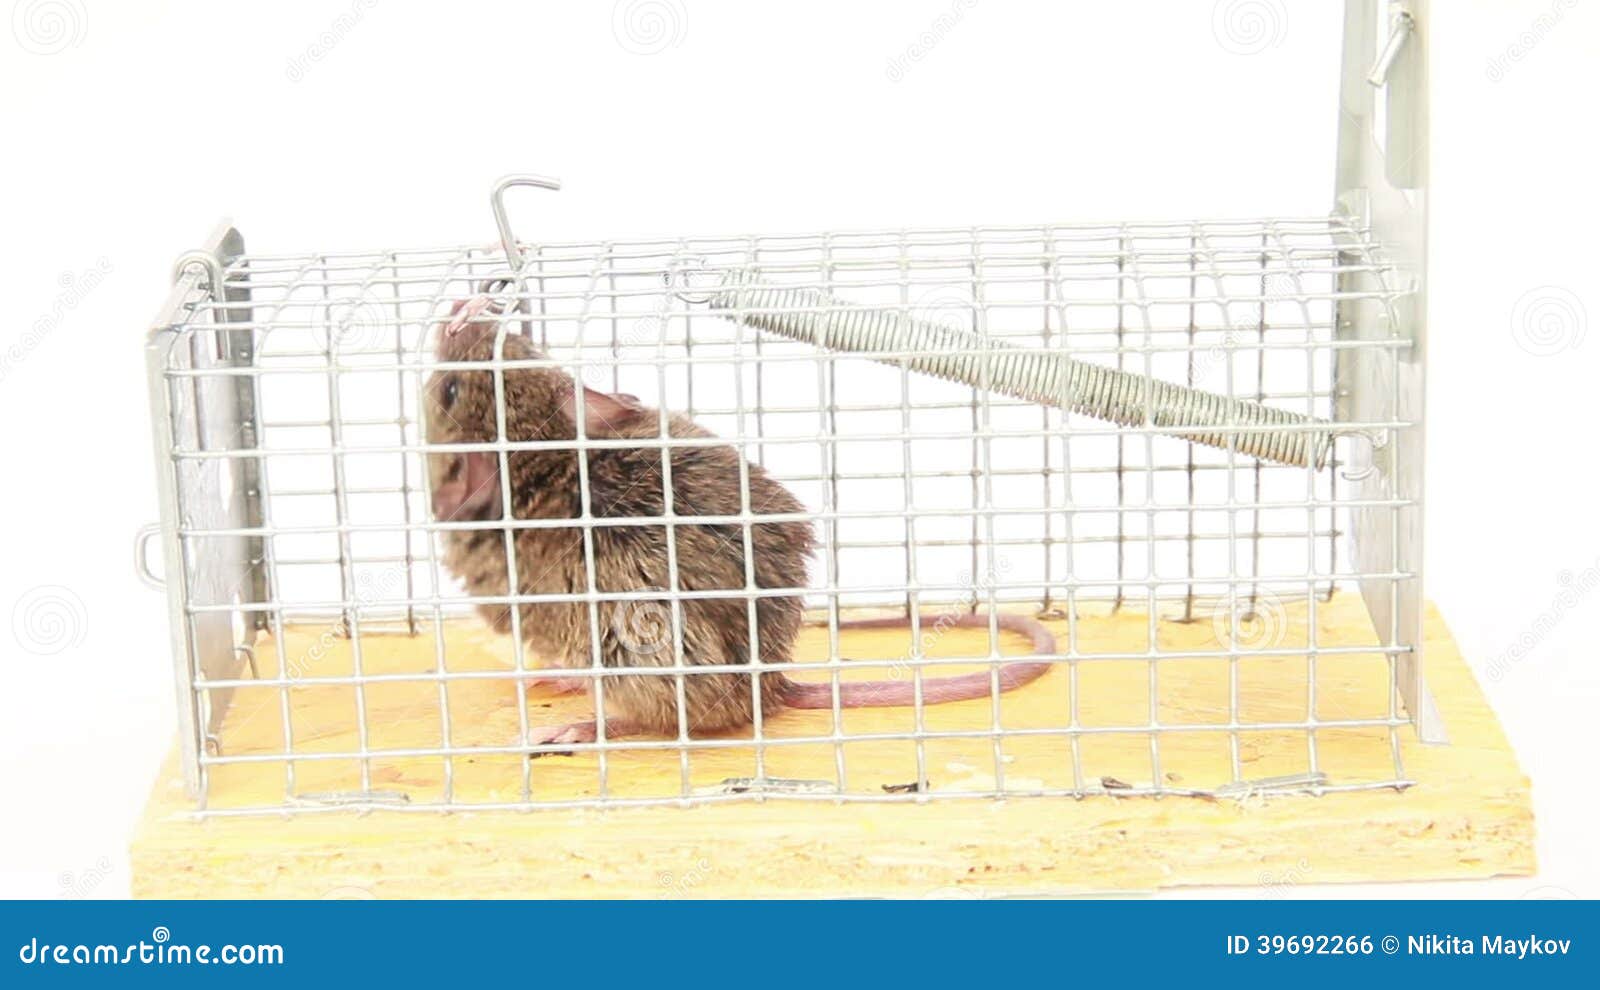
[(1467, 815)]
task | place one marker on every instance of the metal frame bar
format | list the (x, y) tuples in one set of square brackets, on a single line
[(1382, 185), (205, 646)]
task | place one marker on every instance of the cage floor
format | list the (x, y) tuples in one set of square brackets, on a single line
[(1467, 815), (1113, 694)]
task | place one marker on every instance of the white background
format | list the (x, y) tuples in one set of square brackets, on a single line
[(130, 129)]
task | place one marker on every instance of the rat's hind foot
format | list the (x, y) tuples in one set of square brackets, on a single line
[(578, 732)]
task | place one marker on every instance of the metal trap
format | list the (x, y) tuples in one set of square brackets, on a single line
[(1177, 443)]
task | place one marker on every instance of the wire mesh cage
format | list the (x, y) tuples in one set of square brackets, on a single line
[(1176, 444)]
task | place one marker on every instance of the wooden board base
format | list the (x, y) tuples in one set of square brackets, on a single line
[(1468, 814)]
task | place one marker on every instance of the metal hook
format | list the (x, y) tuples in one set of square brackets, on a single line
[(141, 555), (208, 261), (497, 202), (1378, 439), (249, 659), (508, 240)]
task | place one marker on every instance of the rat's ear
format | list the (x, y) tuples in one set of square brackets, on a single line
[(470, 488), (602, 411)]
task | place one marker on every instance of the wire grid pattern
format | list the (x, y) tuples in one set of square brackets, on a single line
[(926, 495)]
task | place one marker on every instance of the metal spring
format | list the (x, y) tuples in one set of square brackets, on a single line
[(1052, 378)]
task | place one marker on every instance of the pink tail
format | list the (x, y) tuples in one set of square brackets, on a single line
[(937, 690)]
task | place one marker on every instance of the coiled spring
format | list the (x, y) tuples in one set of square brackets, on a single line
[(1052, 378)]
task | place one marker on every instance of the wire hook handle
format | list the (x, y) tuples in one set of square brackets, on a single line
[(497, 202), (508, 240)]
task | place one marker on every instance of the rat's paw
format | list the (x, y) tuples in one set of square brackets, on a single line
[(550, 735)]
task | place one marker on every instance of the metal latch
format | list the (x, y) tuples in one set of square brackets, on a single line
[(1399, 31)]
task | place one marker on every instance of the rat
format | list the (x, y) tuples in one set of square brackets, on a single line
[(541, 404)]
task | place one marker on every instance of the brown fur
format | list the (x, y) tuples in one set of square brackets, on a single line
[(622, 483)]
